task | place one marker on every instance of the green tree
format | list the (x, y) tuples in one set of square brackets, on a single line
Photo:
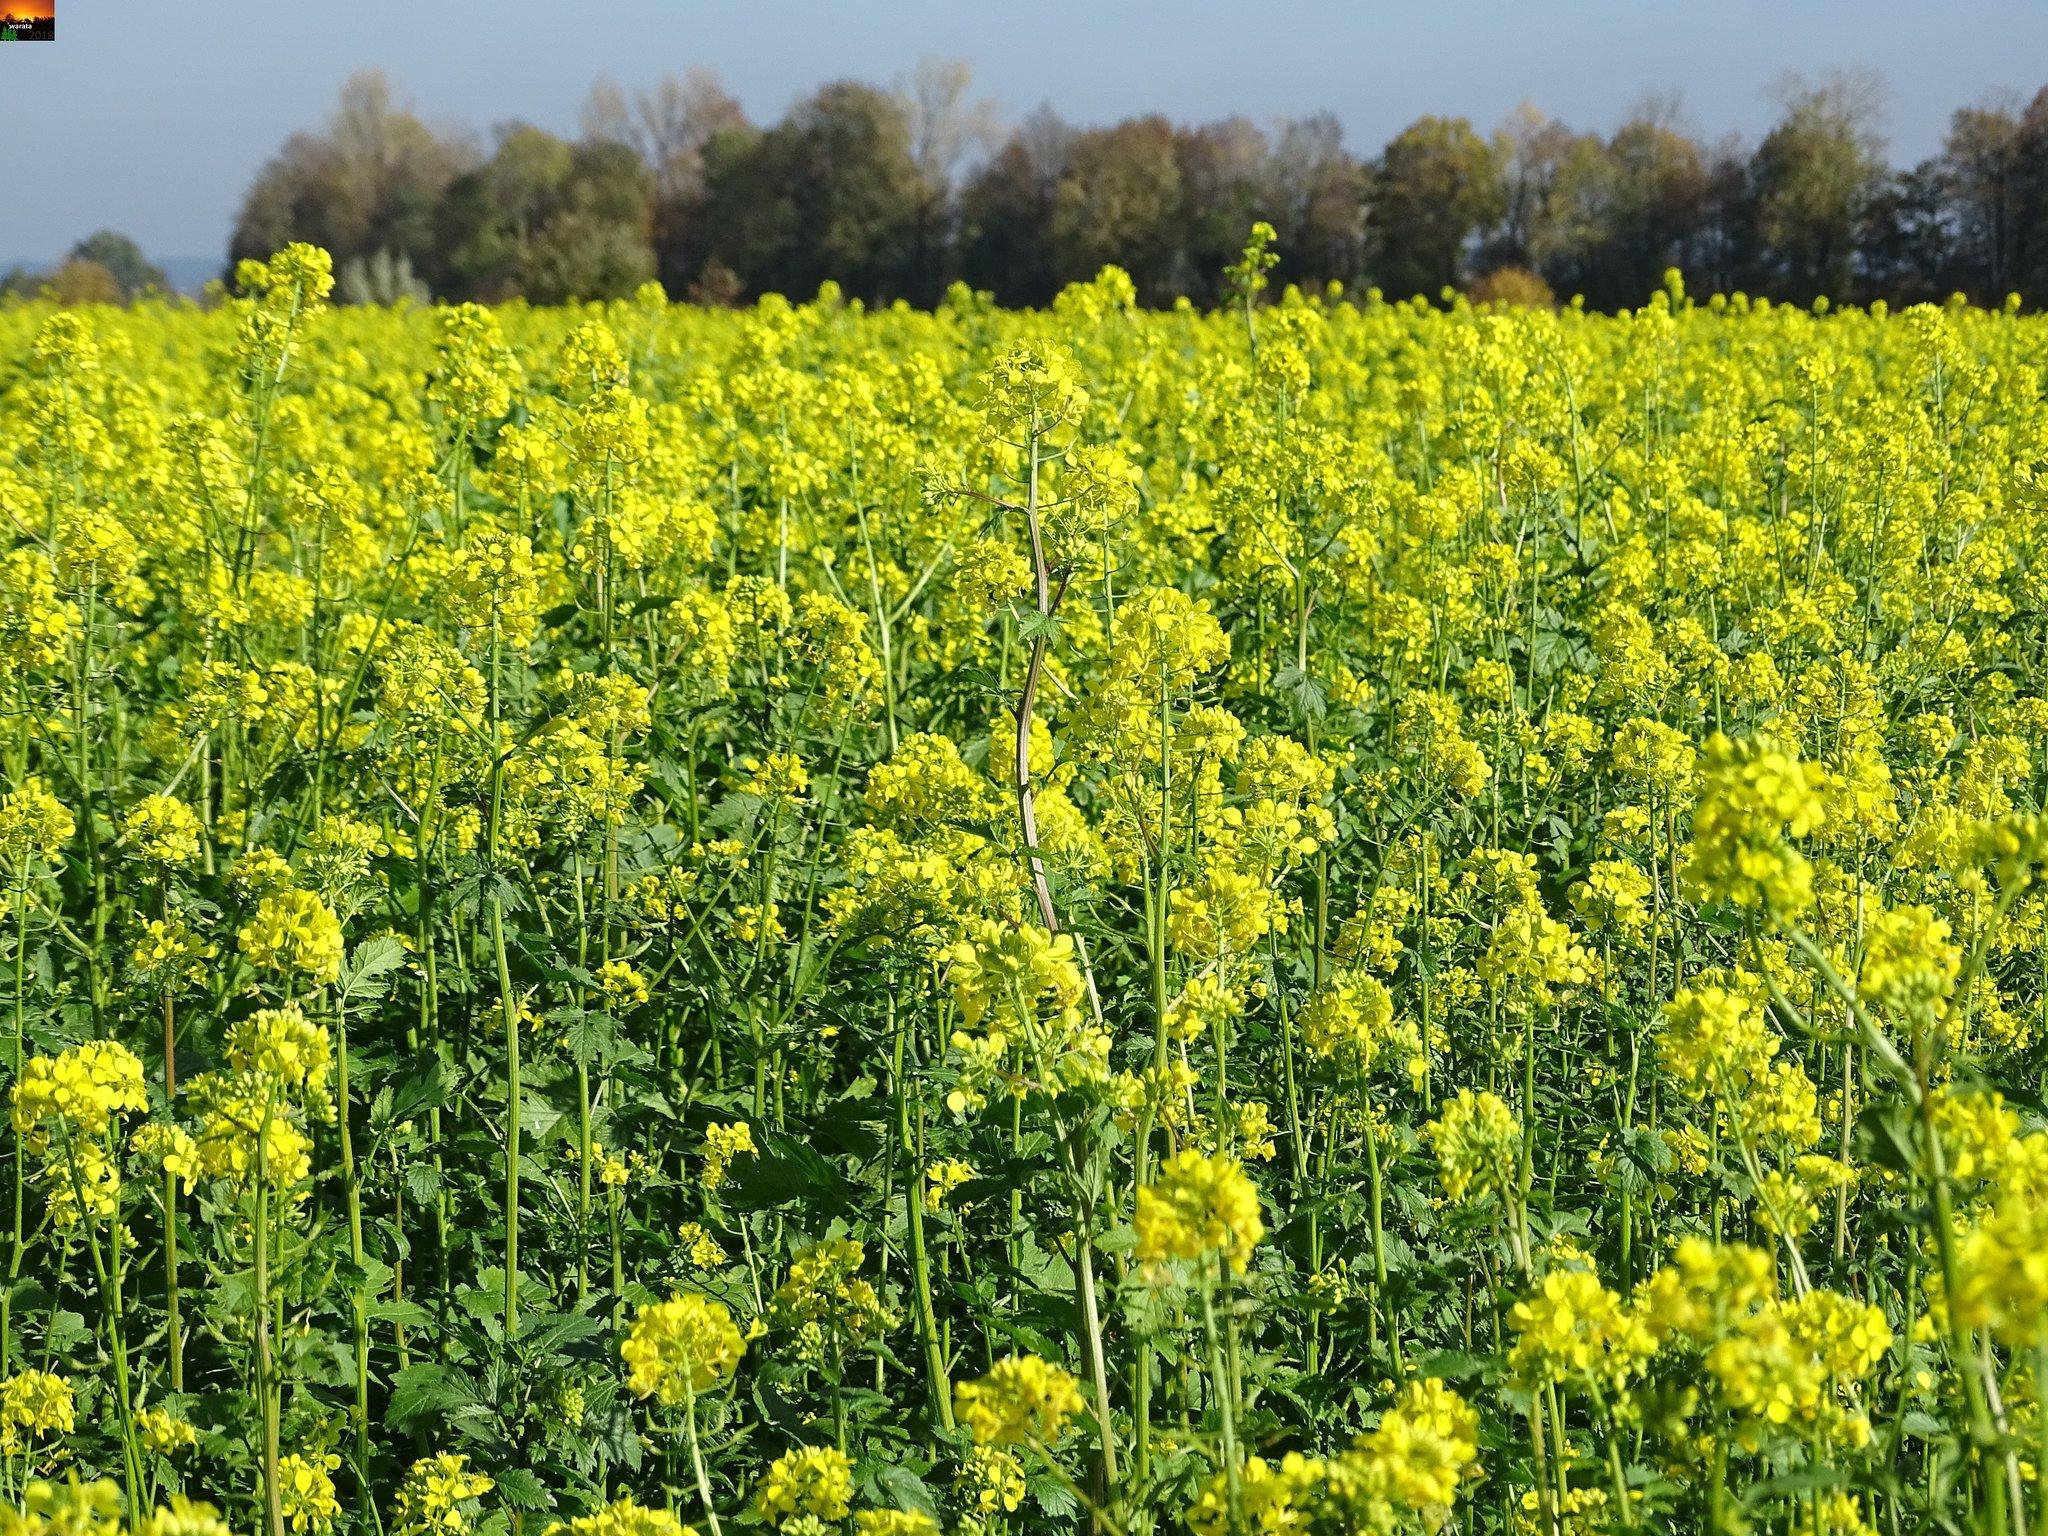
[(371, 180), (1624, 210), (132, 272), (1979, 176), (1436, 188), (1225, 178), (1119, 201), (670, 126), (1813, 182), (2029, 191), (594, 243), (1533, 149), (1910, 249), (1316, 201), (1005, 212), (830, 192), (948, 127), (548, 220)]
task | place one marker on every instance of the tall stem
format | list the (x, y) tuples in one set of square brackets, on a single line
[(920, 1259), (507, 1006), (697, 1467), (358, 1302), (512, 1094), (266, 1394)]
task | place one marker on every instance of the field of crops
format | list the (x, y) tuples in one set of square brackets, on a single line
[(1324, 918)]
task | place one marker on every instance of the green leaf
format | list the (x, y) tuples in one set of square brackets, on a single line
[(549, 1331), (362, 979), (909, 1491), (418, 1090), (786, 1170), (422, 1183), (429, 1389), (1052, 1496), (1883, 1136), (522, 1490)]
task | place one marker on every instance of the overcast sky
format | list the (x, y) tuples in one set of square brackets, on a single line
[(150, 116)]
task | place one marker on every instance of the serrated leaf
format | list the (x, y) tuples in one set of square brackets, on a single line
[(1052, 1496), (427, 1389), (522, 1490), (362, 979), (908, 1490)]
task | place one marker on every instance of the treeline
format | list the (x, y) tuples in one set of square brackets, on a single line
[(103, 268), (897, 193)]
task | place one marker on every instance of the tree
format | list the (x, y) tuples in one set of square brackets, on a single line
[(830, 192), (2030, 198), (1437, 186), (1725, 240), (122, 258), (1316, 195), (1977, 177), (948, 129), (78, 280), (669, 126), (1625, 210), (297, 195), (1005, 212), (1907, 247), (594, 242), (1225, 169), (892, 194), (1532, 149), (371, 181), (1119, 202), (548, 220), (1813, 181)]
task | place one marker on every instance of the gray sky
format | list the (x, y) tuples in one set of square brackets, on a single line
[(151, 116)]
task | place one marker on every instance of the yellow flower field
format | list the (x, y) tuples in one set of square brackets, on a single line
[(1322, 918)]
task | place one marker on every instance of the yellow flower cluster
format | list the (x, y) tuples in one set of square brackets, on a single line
[(432, 1494), (282, 1044), (306, 1491), (1575, 1327), (1021, 1400), (34, 824), (162, 831), (34, 1405), (810, 1483), (622, 1517), (826, 1299), (1199, 1207), (294, 933), (680, 1347), (1754, 798), (77, 1095), (1349, 1022), (1403, 1475), (1478, 1145), (723, 1143)]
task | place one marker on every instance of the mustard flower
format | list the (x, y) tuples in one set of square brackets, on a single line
[(810, 1482), (681, 1347), (1198, 1206), (1022, 1399), (295, 934)]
